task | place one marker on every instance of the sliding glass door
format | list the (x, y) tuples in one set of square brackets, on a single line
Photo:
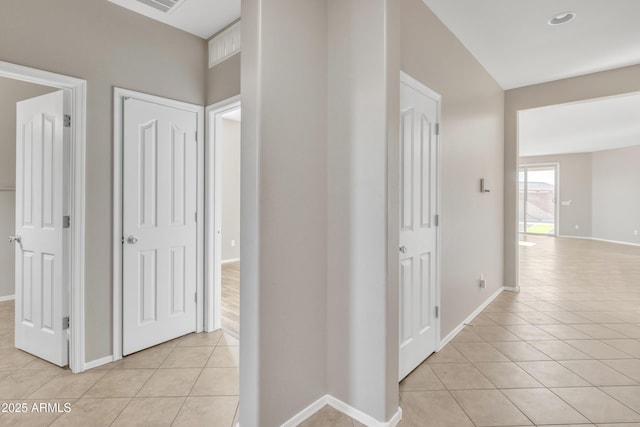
[(537, 210)]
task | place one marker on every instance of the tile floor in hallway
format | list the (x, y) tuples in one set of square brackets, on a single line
[(565, 350), (190, 381)]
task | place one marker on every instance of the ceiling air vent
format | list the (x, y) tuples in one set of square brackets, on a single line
[(165, 6)]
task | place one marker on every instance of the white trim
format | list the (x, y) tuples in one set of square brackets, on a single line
[(213, 209), (361, 416), (118, 96), (512, 288), (7, 298), (419, 86), (7, 188), (469, 319), (229, 261), (307, 412), (619, 242), (339, 405), (575, 237), (556, 191), (98, 362), (76, 92)]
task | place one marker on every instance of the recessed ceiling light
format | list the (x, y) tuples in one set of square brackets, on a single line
[(561, 18)]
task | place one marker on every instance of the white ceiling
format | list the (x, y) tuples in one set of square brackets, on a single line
[(514, 43), (235, 115), (595, 125), (202, 18)]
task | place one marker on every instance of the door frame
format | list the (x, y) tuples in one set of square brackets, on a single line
[(394, 189), (119, 95), (556, 191), (75, 103), (213, 203)]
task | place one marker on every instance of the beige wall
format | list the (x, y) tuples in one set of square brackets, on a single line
[(230, 189), (108, 46), (284, 173), (575, 185), (606, 83), (616, 201), (362, 322), (11, 91), (472, 148), (223, 80)]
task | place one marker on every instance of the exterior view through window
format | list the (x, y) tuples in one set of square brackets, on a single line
[(537, 213)]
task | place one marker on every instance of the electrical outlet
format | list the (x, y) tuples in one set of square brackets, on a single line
[(233, 243), (577, 226), (635, 232), (483, 283)]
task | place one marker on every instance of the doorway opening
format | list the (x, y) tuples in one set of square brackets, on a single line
[(223, 216), (591, 147), (538, 199), (42, 212)]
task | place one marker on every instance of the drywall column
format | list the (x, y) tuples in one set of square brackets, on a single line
[(284, 172), (362, 303), (605, 83)]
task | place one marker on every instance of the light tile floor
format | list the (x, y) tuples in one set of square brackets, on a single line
[(190, 381), (565, 350)]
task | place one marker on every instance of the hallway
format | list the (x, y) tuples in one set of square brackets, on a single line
[(564, 350)]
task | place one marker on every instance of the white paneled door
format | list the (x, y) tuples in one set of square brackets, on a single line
[(159, 223), (41, 239), (418, 224)]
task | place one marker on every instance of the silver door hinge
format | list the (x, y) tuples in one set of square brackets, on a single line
[(67, 121), (437, 128), (195, 297), (437, 311), (65, 322), (195, 215), (66, 221), (436, 219)]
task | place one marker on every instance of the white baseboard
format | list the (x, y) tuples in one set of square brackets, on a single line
[(361, 416), (512, 288), (338, 405), (619, 242), (306, 413), (575, 237), (472, 316), (615, 241), (7, 298), (227, 261), (98, 362)]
